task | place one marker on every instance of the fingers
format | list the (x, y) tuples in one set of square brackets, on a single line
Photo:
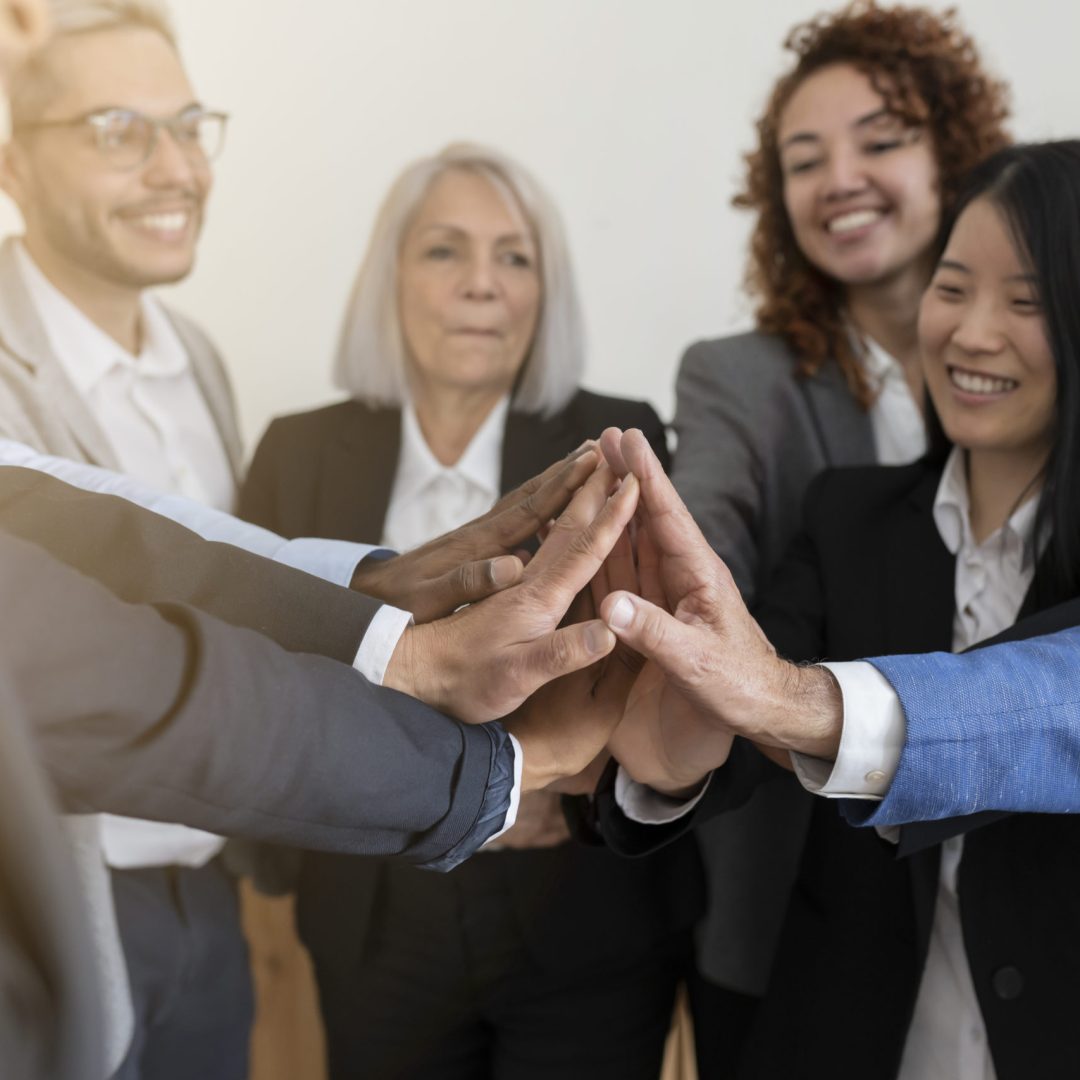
[(672, 527), (648, 630), (561, 577), (611, 445), (583, 509), (563, 652), (528, 508), (465, 584)]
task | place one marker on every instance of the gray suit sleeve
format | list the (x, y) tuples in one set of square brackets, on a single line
[(166, 713), (718, 469), (145, 558)]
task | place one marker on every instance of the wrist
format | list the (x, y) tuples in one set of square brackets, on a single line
[(810, 715), (415, 666)]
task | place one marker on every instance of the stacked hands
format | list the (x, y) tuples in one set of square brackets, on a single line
[(624, 635)]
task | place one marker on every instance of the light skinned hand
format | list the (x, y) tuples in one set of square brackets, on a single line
[(703, 639)]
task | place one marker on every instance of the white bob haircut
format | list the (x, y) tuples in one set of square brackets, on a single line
[(370, 364)]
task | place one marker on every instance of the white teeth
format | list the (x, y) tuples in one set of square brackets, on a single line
[(857, 219), (173, 222), (980, 384)]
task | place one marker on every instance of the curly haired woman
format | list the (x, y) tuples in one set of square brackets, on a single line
[(860, 146)]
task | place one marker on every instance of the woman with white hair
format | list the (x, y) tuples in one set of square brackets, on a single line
[(462, 352)]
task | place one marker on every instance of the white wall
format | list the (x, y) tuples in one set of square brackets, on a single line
[(633, 112)]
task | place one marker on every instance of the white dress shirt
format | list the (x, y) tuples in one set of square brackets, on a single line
[(895, 417)]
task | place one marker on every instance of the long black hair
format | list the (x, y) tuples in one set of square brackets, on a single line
[(1036, 188)]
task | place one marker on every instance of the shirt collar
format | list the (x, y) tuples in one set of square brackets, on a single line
[(878, 364), (85, 351), (952, 514), (480, 464)]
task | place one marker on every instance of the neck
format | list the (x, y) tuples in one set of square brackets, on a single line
[(112, 308), (449, 418), (888, 312), (998, 483)]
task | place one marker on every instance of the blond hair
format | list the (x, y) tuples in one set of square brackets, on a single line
[(370, 364), (34, 83)]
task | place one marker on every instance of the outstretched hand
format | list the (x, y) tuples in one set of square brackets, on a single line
[(697, 631), (477, 559), (483, 661)]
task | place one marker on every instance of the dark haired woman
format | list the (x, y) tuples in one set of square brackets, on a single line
[(859, 147), (961, 961)]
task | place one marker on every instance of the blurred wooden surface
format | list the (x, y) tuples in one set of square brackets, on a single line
[(287, 1042)]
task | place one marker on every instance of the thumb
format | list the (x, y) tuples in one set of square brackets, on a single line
[(647, 629)]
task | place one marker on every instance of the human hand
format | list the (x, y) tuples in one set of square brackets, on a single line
[(475, 560), (708, 646), (483, 661)]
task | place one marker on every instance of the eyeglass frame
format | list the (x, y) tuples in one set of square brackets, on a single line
[(97, 119)]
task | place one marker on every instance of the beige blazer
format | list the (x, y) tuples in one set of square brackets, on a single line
[(41, 407)]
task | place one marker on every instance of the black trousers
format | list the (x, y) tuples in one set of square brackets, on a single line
[(187, 963), (448, 989)]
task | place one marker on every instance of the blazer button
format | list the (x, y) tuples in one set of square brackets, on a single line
[(1008, 982)]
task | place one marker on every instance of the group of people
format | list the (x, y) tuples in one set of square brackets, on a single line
[(418, 640)]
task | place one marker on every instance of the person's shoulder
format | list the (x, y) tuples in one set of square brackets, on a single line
[(604, 410), (868, 489), (747, 362), (317, 426)]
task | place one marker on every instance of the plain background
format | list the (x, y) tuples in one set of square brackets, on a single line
[(633, 113)]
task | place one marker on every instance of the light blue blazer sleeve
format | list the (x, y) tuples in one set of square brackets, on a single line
[(992, 729)]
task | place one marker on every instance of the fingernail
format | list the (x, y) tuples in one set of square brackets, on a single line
[(621, 615), (504, 571), (596, 638)]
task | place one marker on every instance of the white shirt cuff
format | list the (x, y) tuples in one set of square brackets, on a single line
[(515, 794), (642, 804), (332, 560), (379, 642), (870, 743)]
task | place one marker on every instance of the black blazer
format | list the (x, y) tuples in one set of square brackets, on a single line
[(869, 577), (329, 473)]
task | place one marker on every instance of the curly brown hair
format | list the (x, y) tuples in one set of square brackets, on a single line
[(928, 71)]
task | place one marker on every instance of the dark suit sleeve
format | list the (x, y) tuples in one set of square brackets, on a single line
[(258, 500), (729, 788), (145, 558), (164, 712), (994, 729)]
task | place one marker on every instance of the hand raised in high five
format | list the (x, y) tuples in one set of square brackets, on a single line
[(477, 559), (483, 661), (709, 648)]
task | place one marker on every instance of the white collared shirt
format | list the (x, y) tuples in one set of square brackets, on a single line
[(150, 406), (897, 421), (429, 498)]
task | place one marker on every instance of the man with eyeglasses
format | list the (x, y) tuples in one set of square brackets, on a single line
[(109, 164)]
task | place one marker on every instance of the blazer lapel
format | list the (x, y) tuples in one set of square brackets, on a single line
[(212, 381), (23, 336), (531, 443), (352, 463), (843, 428)]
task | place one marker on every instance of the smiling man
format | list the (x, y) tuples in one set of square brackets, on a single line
[(109, 164)]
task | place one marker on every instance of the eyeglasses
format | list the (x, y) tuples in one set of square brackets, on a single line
[(127, 139)]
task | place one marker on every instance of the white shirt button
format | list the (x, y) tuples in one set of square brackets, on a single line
[(874, 776)]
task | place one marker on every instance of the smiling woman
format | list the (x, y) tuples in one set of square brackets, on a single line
[(860, 146)]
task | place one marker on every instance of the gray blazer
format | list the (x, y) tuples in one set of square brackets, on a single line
[(41, 407), (751, 438)]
